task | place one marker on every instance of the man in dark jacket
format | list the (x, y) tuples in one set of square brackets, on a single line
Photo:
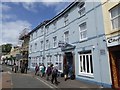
[(54, 75), (26, 66)]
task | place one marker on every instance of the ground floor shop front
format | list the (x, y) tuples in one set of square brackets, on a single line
[(114, 53)]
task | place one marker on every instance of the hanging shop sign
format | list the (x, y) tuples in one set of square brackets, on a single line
[(113, 41)]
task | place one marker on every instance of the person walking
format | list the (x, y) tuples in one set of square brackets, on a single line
[(23, 67), (36, 69), (40, 71), (54, 75), (26, 67), (43, 70), (14, 67), (48, 72)]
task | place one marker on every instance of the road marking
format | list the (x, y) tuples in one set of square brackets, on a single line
[(46, 83)]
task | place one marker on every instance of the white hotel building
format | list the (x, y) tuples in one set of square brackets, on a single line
[(79, 29)]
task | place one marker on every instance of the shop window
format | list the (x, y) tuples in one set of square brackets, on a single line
[(86, 63)]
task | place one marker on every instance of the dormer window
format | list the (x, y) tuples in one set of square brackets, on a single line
[(81, 7), (47, 29), (54, 25), (66, 21)]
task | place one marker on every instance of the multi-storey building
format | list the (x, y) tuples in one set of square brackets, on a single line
[(24, 47), (111, 13), (36, 45), (76, 37)]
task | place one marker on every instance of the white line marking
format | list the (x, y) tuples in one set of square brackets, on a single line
[(45, 83)]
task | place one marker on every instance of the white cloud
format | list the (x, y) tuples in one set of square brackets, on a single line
[(11, 31), (4, 7), (30, 6), (5, 17)]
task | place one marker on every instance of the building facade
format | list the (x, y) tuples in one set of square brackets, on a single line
[(112, 31), (36, 46), (24, 47), (74, 37)]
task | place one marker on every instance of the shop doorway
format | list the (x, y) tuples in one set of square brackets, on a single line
[(115, 65), (69, 60)]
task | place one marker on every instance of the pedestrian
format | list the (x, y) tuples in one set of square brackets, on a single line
[(41, 66), (23, 67), (14, 67), (43, 70), (48, 72), (17, 64), (36, 69), (66, 71), (26, 67), (54, 75)]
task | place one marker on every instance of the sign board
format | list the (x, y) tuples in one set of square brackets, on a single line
[(113, 41)]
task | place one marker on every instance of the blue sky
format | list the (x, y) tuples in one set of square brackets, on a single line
[(16, 16)]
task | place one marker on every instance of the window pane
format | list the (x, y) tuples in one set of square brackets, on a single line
[(84, 34), (80, 63), (115, 11), (84, 64), (116, 22), (83, 26), (91, 64), (87, 59)]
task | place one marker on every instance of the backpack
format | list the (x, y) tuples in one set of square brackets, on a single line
[(54, 71)]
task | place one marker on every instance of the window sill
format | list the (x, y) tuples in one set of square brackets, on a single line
[(115, 30), (86, 75), (85, 39)]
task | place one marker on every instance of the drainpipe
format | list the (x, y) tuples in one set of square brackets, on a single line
[(98, 47), (44, 34)]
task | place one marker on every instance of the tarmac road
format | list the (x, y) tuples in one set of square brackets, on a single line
[(18, 80)]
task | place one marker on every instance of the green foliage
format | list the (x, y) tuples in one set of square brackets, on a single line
[(6, 48)]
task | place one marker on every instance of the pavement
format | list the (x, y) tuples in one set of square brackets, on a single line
[(7, 82), (69, 83)]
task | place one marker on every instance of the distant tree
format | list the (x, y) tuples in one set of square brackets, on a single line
[(6, 48)]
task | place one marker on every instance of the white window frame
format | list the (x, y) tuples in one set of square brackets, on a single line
[(54, 41), (35, 46), (47, 44), (82, 72), (82, 31), (80, 9), (47, 29), (30, 48), (54, 24), (66, 36), (49, 61), (40, 60), (42, 31), (32, 36), (58, 61), (41, 43), (36, 33), (66, 20), (113, 18)]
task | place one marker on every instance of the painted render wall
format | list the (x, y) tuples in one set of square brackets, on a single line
[(94, 42)]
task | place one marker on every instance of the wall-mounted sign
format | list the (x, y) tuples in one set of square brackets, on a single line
[(113, 41), (102, 51)]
